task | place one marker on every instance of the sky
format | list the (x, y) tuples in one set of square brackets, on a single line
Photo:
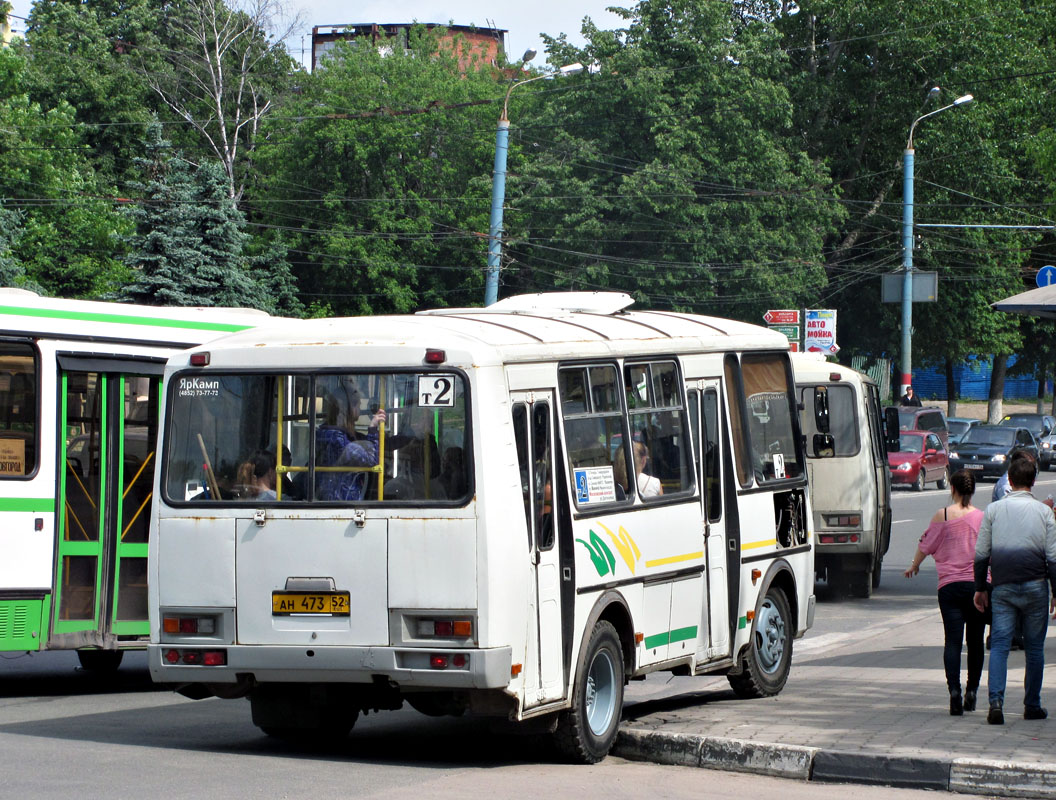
[(523, 20)]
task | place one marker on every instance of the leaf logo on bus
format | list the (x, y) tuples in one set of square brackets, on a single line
[(601, 555)]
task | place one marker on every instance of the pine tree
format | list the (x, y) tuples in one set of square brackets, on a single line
[(188, 248)]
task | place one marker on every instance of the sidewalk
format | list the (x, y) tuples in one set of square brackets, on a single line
[(857, 711)]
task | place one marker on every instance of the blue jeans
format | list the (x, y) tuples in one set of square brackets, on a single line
[(1029, 602)]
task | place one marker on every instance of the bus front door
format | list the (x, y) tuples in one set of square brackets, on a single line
[(108, 429)]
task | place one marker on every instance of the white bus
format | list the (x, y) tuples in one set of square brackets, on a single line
[(850, 488), (79, 404), (559, 496)]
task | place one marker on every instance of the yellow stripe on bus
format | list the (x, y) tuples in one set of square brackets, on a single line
[(659, 562), (754, 545)]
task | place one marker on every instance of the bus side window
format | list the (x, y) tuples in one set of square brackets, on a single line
[(542, 476), (598, 451), (657, 418), (520, 436), (18, 410), (711, 450)]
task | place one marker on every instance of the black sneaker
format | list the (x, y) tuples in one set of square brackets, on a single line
[(1034, 712), (995, 716), (969, 700)]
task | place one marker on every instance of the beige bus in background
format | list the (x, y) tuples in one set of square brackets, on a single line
[(847, 470)]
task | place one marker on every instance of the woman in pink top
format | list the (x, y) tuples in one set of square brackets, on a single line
[(950, 540)]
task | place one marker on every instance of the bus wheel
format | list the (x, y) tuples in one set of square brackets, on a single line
[(100, 660), (765, 664), (586, 731)]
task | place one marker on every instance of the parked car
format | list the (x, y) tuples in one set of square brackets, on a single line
[(926, 418), (959, 426), (1043, 427), (920, 459), (985, 449)]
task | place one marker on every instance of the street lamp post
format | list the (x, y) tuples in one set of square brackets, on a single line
[(907, 240), (498, 185)]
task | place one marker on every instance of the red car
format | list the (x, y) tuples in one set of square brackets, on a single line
[(920, 459)]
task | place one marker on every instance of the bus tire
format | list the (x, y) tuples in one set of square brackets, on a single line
[(100, 660), (768, 657), (877, 567), (586, 731)]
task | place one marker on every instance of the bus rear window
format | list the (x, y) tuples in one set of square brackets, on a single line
[(323, 438)]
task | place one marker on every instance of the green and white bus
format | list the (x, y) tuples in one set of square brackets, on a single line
[(508, 510), (79, 404)]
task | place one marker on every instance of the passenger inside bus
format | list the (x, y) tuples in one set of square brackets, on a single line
[(414, 461), (338, 445), (256, 477)]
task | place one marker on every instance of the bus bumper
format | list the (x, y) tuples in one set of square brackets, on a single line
[(439, 668)]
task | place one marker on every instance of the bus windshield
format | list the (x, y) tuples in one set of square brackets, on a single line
[(330, 438)]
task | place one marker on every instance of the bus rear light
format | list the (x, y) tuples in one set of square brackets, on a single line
[(189, 625), (438, 661), (208, 658), (435, 356), (446, 628), (458, 660), (214, 658), (843, 520), (199, 359)]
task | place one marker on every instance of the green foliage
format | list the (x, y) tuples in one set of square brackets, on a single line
[(68, 229), (382, 210), (673, 174), (188, 246)]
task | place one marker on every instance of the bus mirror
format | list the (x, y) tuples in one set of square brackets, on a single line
[(824, 445), (891, 429), (821, 409)]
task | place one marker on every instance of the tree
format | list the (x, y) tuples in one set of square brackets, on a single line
[(223, 74), (378, 173), (68, 229), (860, 83), (672, 174), (188, 245)]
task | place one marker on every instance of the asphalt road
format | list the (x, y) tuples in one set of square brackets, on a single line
[(64, 732)]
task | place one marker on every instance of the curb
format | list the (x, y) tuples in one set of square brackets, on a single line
[(962, 775)]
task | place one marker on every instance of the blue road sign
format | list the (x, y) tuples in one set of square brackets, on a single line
[(1046, 276)]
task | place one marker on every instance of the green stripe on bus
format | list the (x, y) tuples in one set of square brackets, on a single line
[(670, 637), (27, 503), (89, 316)]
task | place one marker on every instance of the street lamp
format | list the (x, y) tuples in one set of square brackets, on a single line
[(907, 239), (498, 186)]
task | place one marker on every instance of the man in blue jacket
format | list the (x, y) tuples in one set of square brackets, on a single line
[(1017, 543)]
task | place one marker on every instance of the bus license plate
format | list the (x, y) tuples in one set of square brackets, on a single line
[(332, 603)]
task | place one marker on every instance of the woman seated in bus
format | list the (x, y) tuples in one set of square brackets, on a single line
[(647, 484), (256, 477), (337, 445)]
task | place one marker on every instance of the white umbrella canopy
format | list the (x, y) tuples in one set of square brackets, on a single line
[(1036, 303)]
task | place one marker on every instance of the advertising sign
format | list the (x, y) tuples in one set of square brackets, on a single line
[(821, 331), (782, 316)]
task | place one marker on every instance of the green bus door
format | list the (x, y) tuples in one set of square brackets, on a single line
[(108, 438)]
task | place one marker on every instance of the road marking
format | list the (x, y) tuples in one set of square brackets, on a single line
[(831, 641), (897, 521)]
